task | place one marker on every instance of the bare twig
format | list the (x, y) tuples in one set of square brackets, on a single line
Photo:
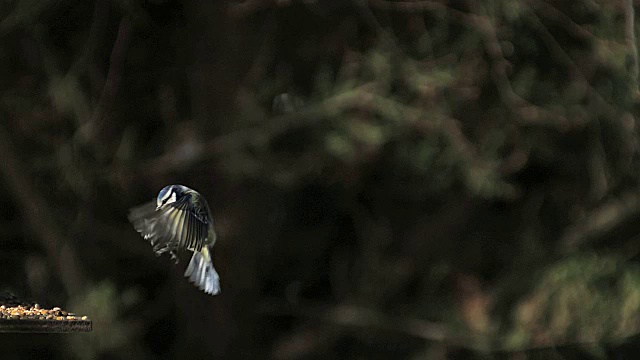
[(353, 316), (421, 6), (551, 12), (600, 221), (99, 25), (630, 36), (249, 7), (529, 113), (94, 128), (559, 53)]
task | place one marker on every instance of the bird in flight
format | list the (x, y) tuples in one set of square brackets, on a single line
[(180, 219)]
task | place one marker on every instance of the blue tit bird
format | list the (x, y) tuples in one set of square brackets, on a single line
[(180, 219)]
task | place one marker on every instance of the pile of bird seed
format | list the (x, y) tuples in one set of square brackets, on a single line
[(13, 309), (36, 313)]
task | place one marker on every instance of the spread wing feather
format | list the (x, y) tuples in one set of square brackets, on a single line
[(171, 228)]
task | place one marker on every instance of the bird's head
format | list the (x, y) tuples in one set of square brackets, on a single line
[(169, 194)]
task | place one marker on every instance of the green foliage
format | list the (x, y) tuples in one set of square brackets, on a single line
[(582, 299), (462, 173)]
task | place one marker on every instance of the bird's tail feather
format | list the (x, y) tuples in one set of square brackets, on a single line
[(202, 273)]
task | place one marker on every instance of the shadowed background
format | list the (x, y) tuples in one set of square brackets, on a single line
[(388, 179)]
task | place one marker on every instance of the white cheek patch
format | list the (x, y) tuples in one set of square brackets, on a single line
[(166, 195), (167, 198)]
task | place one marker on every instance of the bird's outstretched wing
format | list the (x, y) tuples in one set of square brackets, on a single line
[(170, 228)]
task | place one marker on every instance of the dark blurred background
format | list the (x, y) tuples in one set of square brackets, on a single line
[(389, 179)]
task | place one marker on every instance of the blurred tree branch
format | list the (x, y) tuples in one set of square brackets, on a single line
[(93, 132), (443, 154), (39, 215), (630, 36), (245, 8), (359, 317), (600, 222)]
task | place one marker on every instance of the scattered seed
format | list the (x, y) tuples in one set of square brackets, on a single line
[(12, 309)]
